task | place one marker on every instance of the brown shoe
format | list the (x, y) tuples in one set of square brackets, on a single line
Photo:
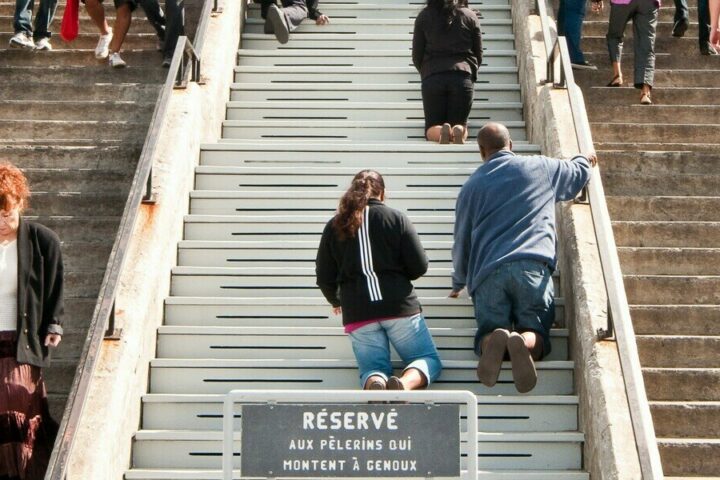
[(523, 367), (488, 368), (394, 383), (375, 383), (458, 133), (445, 134)]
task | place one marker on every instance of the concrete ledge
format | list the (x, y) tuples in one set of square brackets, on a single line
[(609, 449), (112, 413)]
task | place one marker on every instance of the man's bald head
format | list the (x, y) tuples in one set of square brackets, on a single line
[(492, 138)]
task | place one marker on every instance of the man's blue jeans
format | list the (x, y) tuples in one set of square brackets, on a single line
[(703, 16), (411, 339), (571, 14), (22, 21), (516, 296)]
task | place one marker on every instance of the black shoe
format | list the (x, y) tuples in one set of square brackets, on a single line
[(680, 27), (707, 49), (585, 65), (166, 62)]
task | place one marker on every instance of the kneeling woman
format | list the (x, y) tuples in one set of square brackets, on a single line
[(368, 255)]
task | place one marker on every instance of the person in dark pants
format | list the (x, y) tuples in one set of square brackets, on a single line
[(282, 21), (504, 251), (682, 23), (447, 51), (27, 38), (571, 14)]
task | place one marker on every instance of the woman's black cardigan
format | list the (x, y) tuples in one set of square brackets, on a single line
[(40, 292)]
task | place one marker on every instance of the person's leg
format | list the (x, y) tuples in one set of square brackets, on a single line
[(175, 26), (43, 18), (703, 15), (22, 19), (156, 17), (459, 103), (574, 16), (411, 339), (123, 17), (372, 352), (295, 12), (96, 12), (644, 24), (619, 16), (715, 23), (434, 107), (681, 21), (562, 7)]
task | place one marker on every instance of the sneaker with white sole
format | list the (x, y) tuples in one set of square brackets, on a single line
[(279, 23), (115, 61), (22, 40), (43, 45), (102, 50)]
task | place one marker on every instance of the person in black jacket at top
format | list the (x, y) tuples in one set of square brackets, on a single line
[(368, 256), (31, 310), (282, 21), (447, 51)]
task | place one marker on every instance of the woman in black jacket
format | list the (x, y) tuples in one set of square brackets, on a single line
[(368, 255), (447, 51), (31, 309)]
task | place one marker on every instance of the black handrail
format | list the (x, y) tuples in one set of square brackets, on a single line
[(102, 323), (558, 58)]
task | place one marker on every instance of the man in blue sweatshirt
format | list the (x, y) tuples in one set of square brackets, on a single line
[(504, 251)]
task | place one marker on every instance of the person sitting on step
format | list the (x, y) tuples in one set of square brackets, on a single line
[(504, 251), (368, 256), (27, 38), (447, 51), (282, 21)]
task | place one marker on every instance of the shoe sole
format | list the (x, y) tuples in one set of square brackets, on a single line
[(21, 46), (458, 136), (280, 29), (445, 134), (394, 383), (488, 368), (523, 367)]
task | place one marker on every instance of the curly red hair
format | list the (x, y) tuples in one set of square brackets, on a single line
[(14, 189)]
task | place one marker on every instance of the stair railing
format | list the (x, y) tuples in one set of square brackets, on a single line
[(559, 66), (185, 63)]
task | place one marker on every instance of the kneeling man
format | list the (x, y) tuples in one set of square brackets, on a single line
[(504, 251)]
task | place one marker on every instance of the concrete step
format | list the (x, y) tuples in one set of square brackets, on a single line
[(688, 45), (669, 261), (661, 96), (136, 59), (658, 163), (73, 180), (84, 204), (88, 41), (655, 146), (684, 114), (259, 41), (102, 157), (104, 92), (665, 208), (58, 377), (597, 28), (72, 129), (667, 234), (666, 14), (682, 384), (81, 110), (73, 228), (672, 289), (83, 283), (74, 74), (645, 132), (686, 419), (674, 351), (374, 10), (663, 319), (82, 255), (140, 24), (663, 184), (690, 457), (671, 71)]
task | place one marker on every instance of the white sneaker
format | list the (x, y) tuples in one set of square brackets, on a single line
[(115, 61), (102, 50), (43, 45), (22, 40)]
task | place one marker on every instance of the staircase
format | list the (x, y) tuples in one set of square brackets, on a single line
[(76, 128), (661, 172), (244, 311)]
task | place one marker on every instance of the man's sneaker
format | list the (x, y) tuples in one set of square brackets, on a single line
[(583, 65), (167, 61), (523, 366), (279, 23), (115, 61), (43, 45), (707, 49), (102, 50), (22, 40), (680, 27), (491, 357)]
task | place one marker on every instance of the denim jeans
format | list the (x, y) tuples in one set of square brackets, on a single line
[(516, 296), (571, 14), (703, 17), (411, 339), (22, 21)]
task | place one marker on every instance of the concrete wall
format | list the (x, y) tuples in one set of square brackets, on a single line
[(609, 451), (112, 413)]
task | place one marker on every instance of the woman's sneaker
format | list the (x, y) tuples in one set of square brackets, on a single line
[(102, 50), (22, 40), (43, 45), (279, 23), (115, 61)]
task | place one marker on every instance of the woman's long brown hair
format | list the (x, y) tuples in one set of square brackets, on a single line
[(366, 185)]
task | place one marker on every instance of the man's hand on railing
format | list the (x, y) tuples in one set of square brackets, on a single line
[(592, 158)]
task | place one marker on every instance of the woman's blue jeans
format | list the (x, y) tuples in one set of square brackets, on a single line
[(411, 339)]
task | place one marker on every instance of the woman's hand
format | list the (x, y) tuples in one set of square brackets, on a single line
[(337, 310), (52, 340), (322, 20)]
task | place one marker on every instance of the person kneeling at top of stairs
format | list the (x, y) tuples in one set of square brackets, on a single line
[(282, 21), (368, 256), (504, 251)]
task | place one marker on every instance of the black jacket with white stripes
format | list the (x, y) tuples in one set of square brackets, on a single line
[(370, 275)]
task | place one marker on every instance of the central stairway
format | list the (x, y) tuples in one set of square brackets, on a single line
[(244, 311)]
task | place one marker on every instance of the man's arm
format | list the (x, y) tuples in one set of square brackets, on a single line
[(418, 44), (477, 41), (315, 14), (412, 253), (461, 244), (569, 177), (326, 270)]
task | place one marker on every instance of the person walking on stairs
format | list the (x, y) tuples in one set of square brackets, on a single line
[(27, 38), (709, 45), (123, 18), (504, 251), (644, 15), (368, 256), (31, 310), (281, 21), (571, 14), (714, 8), (447, 51)]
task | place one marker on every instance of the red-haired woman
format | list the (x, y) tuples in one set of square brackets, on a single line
[(368, 256), (31, 307)]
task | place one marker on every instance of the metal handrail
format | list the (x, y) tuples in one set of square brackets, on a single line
[(102, 322), (618, 308)]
